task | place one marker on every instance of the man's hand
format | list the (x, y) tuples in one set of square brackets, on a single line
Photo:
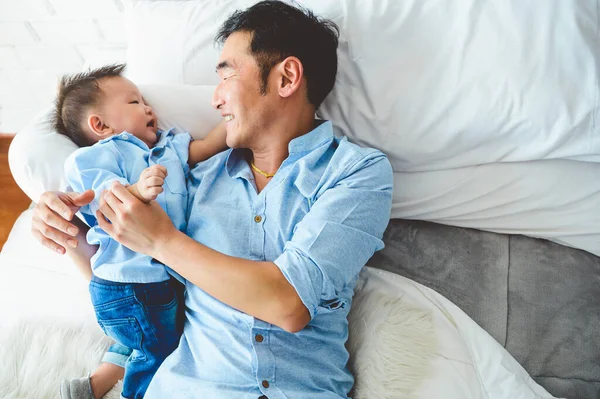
[(52, 215), (150, 183), (140, 227)]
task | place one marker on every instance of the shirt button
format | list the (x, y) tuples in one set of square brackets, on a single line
[(265, 383), (124, 136), (259, 338), (257, 218)]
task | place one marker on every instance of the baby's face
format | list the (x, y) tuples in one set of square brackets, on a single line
[(123, 109)]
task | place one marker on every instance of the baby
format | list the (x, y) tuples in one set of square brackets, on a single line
[(135, 298)]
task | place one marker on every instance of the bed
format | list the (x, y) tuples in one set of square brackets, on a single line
[(490, 122)]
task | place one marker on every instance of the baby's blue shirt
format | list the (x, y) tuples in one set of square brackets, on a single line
[(122, 158)]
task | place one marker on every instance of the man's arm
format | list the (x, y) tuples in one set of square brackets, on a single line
[(212, 144), (255, 288)]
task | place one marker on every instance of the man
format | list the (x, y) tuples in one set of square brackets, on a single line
[(278, 227)]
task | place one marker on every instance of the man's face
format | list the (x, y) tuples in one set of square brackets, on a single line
[(123, 109), (246, 111)]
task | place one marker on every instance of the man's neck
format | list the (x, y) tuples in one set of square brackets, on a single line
[(270, 153)]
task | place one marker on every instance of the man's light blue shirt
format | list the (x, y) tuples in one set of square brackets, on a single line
[(122, 158), (319, 219)]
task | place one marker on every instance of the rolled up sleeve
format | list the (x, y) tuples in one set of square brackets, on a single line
[(340, 232)]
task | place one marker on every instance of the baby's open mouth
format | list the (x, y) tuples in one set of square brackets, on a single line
[(150, 124)]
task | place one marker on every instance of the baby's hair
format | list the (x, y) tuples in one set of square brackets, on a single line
[(76, 94)]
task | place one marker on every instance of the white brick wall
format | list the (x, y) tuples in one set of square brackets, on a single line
[(40, 40)]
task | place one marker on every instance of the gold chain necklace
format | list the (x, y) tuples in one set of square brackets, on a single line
[(262, 172)]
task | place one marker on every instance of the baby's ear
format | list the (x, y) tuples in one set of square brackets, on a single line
[(98, 127)]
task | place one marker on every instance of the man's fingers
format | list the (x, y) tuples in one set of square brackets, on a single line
[(43, 231), (54, 203), (122, 195), (108, 204), (47, 242), (104, 225), (53, 220), (81, 199)]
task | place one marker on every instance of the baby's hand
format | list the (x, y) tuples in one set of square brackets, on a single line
[(151, 182)]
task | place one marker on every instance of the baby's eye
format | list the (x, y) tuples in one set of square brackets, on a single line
[(134, 102)]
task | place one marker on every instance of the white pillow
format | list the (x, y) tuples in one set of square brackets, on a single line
[(182, 49), (37, 153), (558, 200), (437, 87)]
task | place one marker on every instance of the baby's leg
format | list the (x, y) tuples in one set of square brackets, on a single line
[(110, 371), (104, 378), (142, 317), (159, 322)]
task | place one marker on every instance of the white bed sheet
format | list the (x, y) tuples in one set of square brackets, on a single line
[(22, 249)]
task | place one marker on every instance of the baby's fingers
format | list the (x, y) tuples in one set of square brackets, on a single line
[(158, 170), (153, 192), (154, 181)]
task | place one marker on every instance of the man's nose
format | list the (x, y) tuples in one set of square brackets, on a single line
[(217, 99)]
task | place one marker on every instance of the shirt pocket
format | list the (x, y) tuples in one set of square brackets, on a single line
[(175, 181)]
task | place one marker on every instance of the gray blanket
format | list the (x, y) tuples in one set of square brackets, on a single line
[(540, 300)]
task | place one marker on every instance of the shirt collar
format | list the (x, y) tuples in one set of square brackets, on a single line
[(323, 132), (126, 136)]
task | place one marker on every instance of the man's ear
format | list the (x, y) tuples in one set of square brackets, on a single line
[(98, 127), (291, 76)]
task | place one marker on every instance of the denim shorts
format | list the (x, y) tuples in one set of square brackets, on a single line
[(145, 320)]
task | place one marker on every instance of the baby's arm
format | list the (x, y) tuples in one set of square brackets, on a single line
[(150, 183), (214, 143)]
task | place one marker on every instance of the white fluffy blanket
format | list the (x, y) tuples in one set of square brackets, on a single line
[(406, 341)]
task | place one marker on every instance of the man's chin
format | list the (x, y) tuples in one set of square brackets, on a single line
[(230, 141)]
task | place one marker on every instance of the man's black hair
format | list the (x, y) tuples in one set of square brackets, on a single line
[(280, 30)]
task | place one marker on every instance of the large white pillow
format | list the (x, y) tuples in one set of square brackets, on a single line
[(437, 85), (182, 50), (38, 152), (555, 199)]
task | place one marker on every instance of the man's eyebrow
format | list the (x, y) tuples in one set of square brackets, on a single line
[(222, 65)]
